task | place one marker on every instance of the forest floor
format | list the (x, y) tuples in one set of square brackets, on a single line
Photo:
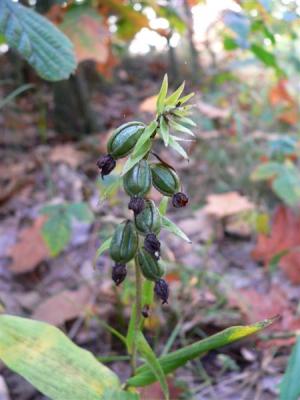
[(214, 283)]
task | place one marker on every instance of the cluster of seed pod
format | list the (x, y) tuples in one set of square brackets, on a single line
[(138, 239)]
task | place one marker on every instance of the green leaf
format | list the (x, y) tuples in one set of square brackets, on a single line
[(171, 227), (266, 171), (111, 394), (56, 232), (287, 186), (229, 43), (164, 130), (163, 205), (81, 212), (104, 246), (177, 147), (160, 102), (47, 49), (152, 362), (111, 188), (173, 98), (290, 384), (187, 121), (53, 364), (142, 147), (181, 128), (178, 358), (265, 56), (186, 98)]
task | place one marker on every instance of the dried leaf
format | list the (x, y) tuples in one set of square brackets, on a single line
[(67, 154), (63, 306), (227, 204), (30, 249), (284, 236)]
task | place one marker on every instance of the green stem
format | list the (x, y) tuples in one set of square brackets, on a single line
[(138, 313)]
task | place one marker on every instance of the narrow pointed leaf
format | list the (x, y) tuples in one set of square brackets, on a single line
[(164, 130), (163, 205), (186, 98), (53, 364), (151, 360), (133, 160), (173, 98), (290, 385), (181, 128), (187, 121), (148, 132), (171, 227), (47, 49), (177, 147), (160, 103), (178, 358), (143, 145), (104, 246)]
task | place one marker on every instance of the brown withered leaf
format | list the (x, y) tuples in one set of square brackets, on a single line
[(256, 306), (211, 111), (154, 391), (64, 306), (227, 204), (284, 236), (67, 154), (30, 249)]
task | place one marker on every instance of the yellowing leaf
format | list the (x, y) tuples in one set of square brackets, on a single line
[(48, 359), (177, 358)]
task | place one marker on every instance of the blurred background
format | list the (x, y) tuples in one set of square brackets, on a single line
[(242, 60)]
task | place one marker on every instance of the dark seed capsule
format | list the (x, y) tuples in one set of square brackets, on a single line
[(106, 164), (146, 311), (119, 273), (136, 204), (152, 245), (179, 200), (161, 290)]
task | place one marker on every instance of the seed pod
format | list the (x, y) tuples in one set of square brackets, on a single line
[(161, 290), (124, 139), (119, 273), (152, 245), (150, 267), (124, 243), (106, 164), (148, 220), (164, 179), (138, 181), (136, 204), (179, 200)]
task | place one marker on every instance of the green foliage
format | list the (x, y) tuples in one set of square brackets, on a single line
[(290, 385), (58, 368), (173, 228), (285, 180), (57, 229), (37, 40), (152, 362), (142, 147), (176, 359)]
